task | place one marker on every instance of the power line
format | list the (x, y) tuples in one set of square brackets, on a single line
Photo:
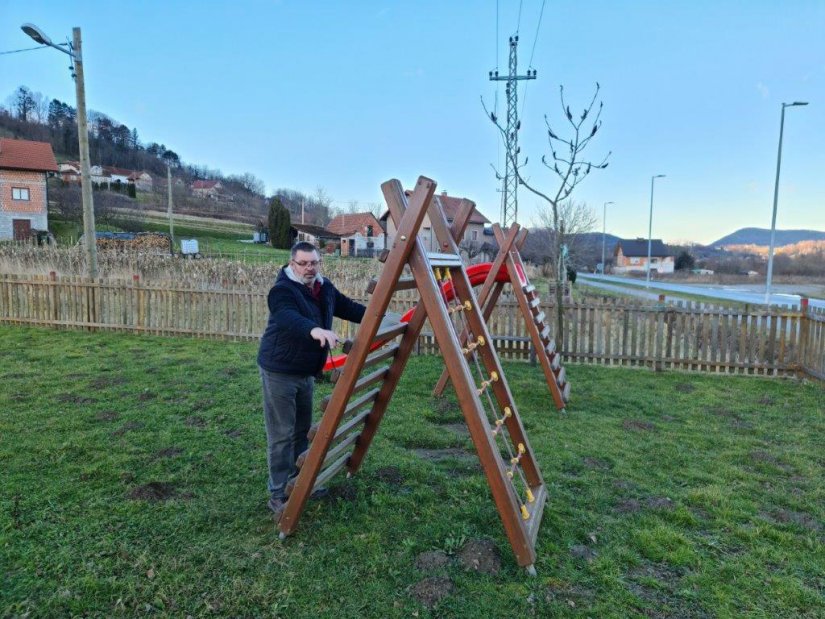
[(518, 24), (25, 49), (532, 52)]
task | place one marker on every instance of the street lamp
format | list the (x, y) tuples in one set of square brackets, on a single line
[(650, 228), (775, 200), (604, 231), (74, 51)]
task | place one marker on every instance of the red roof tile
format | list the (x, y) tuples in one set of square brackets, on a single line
[(204, 184), (351, 223), (27, 155), (450, 206)]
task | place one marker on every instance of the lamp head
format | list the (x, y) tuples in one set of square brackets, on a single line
[(799, 103), (660, 176), (36, 33)]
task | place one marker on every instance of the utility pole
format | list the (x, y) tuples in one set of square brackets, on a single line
[(509, 195), (169, 205)]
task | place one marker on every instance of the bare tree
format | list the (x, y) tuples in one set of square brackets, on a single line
[(570, 168)]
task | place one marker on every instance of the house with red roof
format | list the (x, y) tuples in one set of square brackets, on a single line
[(474, 234), (24, 166), (361, 233), (207, 189)]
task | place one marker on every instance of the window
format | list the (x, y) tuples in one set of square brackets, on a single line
[(475, 235), (19, 193)]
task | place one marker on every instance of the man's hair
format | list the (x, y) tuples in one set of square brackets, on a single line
[(302, 246)]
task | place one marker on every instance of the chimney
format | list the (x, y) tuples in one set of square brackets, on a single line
[(443, 192)]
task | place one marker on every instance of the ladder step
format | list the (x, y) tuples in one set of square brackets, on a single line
[(561, 377), (332, 453), (539, 319), (551, 347), (374, 359), (545, 333), (534, 302), (529, 289), (363, 382), (383, 334), (383, 255), (555, 362), (405, 283), (565, 393), (444, 260), (329, 472)]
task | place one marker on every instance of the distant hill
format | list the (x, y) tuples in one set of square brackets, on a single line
[(762, 236)]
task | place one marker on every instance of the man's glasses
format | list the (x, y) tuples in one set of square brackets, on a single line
[(306, 263)]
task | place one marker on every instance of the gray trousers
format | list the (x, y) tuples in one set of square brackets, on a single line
[(287, 416)]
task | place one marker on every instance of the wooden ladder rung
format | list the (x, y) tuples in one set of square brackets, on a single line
[(529, 289), (405, 283), (534, 302), (329, 472), (565, 393), (363, 382), (545, 333), (539, 318), (561, 377), (555, 362), (444, 260), (383, 334), (353, 405), (551, 347), (332, 453), (536, 511), (374, 359), (352, 423)]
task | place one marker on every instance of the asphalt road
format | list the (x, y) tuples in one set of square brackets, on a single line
[(636, 287)]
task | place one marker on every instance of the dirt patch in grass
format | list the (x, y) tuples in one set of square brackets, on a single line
[(147, 396), (202, 405), (229, 372), (153, 492), (480, 555), (457, 428), (685, 388), (127, 427), (169, 452), (766, 400), (391, 475), (659, 502), (444, 406), (104, 382), (580, 551), (195, 422), (628, 506), (72, 398), (342, 492), (431, 560), (431, 591), (786, 516), (572, 595), (107, 416), (638, 425), (760, 455), (234, 433), (597, 464)]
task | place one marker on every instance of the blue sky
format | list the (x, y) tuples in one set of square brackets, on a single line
[(345, 95)]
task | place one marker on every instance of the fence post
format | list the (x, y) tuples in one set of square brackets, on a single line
[(138, 300), (804, 326)]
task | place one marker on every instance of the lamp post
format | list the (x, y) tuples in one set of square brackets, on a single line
[(604, 232), (650, 228), (775, 201), (75, 52)]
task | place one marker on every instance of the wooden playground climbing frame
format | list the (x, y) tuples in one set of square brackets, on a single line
[(529, 302), (343, 436)]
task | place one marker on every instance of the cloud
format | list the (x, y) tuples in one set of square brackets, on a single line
[(763, 90)]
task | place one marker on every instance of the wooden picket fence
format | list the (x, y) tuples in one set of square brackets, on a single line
[(685, 336)]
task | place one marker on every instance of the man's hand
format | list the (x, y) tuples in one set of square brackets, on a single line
[(324, 337)]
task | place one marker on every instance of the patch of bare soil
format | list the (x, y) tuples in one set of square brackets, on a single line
[(431, 591), (444, 406), (638, 425), (766, 400), (802, 519), (107, 416), (628, 506), (580, 551), (103, 382), (229, 372), (169, 452), (457, 428), (480, 555), (659, 502), (760, 455), (390, 475), (154, 491), (127, 427), (202, 404), (431, 560), (342, 492), (598, 464), (685, 388), (71, 398), (572, 595), (146, 396), (195, 422), (234, 433), (437, 455)]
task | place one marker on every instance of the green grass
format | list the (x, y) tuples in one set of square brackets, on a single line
[(670, 495)]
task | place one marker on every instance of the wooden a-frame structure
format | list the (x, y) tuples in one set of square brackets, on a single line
[(546, 351), (353, 412)]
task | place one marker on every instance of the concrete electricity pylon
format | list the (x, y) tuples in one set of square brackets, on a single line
[(509, 194)]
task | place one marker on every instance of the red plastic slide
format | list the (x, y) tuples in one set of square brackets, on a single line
[(477, 273)]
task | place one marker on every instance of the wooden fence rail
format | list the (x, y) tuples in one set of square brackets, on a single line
[(684, 336)]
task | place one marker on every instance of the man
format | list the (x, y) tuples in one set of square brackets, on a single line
[(293, 351)]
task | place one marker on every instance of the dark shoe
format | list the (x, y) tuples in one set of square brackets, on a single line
[(277, 506)]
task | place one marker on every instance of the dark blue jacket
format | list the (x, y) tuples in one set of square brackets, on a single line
[(286, 345)]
